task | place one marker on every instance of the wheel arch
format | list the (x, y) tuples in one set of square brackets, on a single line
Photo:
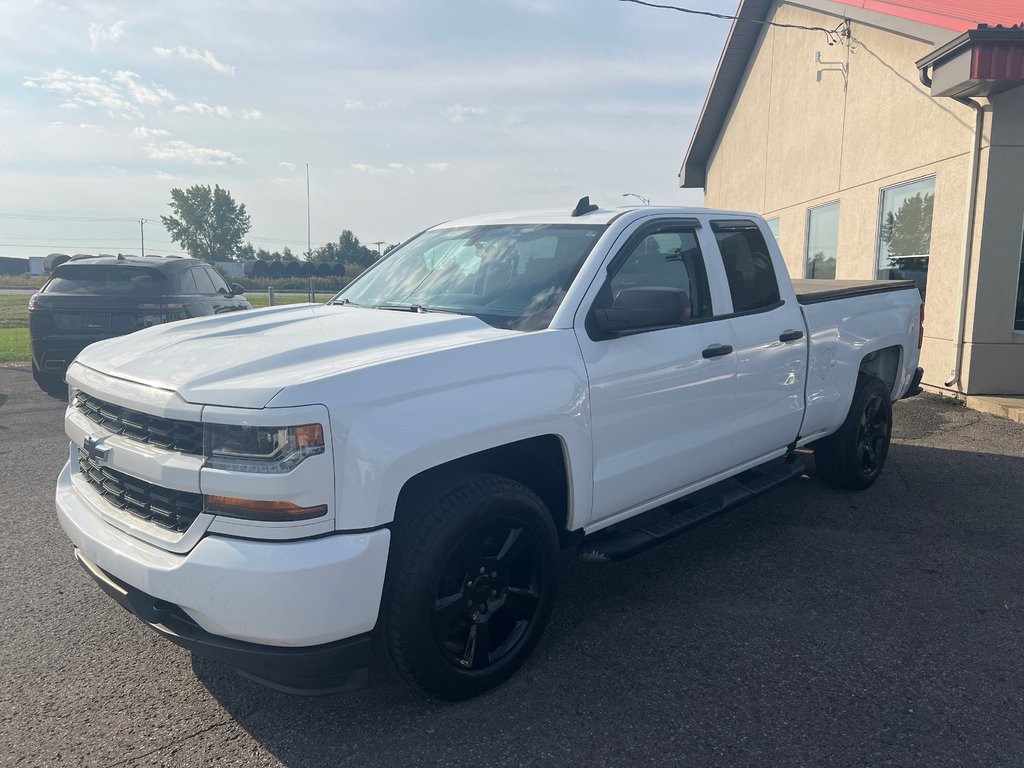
[(540, 463), (883, 364)]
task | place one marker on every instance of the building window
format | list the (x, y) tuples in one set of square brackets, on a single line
[(1018, 321), (905, 231), (822, 240), (773, 225)]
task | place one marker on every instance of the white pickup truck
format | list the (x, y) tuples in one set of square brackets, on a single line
[(283, 489)]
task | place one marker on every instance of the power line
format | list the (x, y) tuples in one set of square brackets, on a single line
[(834, 36), (42, 217)]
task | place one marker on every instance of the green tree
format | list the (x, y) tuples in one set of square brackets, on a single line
[(346, 249), (907, 233), (209, 224)]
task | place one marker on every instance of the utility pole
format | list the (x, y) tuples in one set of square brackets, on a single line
[(309, 236), (142, 232), (378, 243)]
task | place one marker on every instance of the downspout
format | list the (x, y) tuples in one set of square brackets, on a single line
[(969, 216)]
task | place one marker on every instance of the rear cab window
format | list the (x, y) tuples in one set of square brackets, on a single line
[(753, 284), (106, 280)]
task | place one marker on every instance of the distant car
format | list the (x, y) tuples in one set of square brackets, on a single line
[(94, 298)]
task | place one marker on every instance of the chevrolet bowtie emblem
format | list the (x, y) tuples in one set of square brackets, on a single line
[(95, 451)]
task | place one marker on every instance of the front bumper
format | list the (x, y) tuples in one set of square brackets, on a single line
[(314, 670), (287, 598)]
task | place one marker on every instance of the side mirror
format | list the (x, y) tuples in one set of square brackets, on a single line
[(236, 289), (641, 309)]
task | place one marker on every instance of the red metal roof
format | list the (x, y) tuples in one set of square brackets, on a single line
[(957, 15)]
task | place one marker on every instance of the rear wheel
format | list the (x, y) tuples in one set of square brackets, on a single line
[(853, 457), (472, 579)]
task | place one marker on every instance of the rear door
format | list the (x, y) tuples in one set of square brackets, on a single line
[(661, 407), (771, 348)]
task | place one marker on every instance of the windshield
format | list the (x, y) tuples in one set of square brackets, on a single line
[(510, 276), (106, 280)]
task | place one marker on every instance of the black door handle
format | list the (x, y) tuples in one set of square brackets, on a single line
[(791, 335), (716, 350)]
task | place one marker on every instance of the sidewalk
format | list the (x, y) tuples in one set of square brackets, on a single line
[(1007, 406)]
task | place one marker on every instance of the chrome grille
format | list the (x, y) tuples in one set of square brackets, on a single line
[(170, 509), (170, 434)]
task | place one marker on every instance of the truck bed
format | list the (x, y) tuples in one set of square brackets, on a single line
[(814, 291)]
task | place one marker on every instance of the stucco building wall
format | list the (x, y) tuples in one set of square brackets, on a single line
[(791, 143)]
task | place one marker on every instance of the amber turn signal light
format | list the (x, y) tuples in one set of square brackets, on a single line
[(267, 511)]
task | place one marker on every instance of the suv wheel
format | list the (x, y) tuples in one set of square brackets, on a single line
[(471, 582)]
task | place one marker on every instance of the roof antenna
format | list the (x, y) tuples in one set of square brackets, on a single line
[(584, 206)]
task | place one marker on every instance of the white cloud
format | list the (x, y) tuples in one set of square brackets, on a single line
[(286, 166), (457, 113), (142, 132), (143, 94), (250, 114), (389, 168), (165, 176), (84, 90), (200, 108), (353, 104), (184, 152), (100, 34), (440, 167), (191, 54)]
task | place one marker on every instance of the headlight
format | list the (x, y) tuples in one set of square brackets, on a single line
[(261, 449)]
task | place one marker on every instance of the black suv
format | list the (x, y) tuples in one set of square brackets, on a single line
[(94, 298)]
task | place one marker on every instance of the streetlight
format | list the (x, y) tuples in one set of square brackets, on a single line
[(641, 198)]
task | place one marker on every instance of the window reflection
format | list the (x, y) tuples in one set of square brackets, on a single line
[(822, 240), (905, 232)]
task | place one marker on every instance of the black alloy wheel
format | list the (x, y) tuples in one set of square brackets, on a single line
[(852, 458), (471, 581), (873, 437), (488, 594)]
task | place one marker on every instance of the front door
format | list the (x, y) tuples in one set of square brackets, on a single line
[(661, 400)]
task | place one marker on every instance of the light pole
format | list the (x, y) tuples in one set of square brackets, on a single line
[(641, 198)]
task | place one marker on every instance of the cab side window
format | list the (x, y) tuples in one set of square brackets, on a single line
[(667, 259), (748, 266)]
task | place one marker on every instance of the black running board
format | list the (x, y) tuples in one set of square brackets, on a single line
[(608, 545)]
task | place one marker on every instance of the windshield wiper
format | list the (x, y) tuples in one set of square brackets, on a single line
[(414, 308), (343, 303)]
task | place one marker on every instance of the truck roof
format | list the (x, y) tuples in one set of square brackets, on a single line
[(600, 216)]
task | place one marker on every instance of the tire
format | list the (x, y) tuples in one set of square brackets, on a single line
[(472, 538), (853, 457), (51, 385)]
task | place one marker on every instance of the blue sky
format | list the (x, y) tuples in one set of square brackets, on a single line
[(408, 113)]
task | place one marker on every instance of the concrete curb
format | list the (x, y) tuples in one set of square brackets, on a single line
[(1010, 407)]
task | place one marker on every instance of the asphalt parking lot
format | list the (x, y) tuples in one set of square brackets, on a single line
[(808, 628)]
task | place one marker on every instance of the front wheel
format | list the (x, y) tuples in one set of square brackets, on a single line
[(852, 458), (472, 578)]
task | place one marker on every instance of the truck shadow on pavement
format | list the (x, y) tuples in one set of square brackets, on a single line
[(810, 627)]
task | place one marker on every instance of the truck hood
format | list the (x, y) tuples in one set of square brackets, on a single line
[(244, 359)]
